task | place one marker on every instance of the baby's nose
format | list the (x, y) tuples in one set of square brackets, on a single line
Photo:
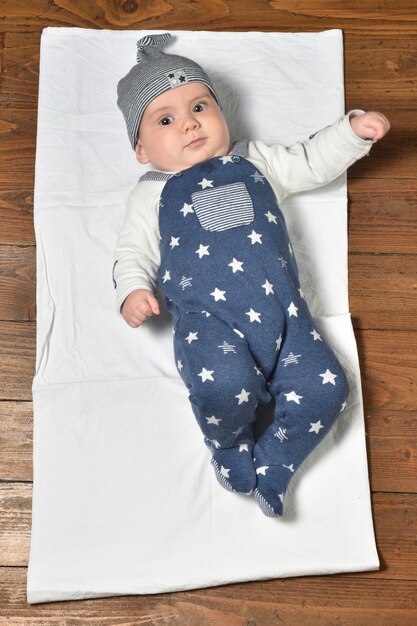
[(191, 123)]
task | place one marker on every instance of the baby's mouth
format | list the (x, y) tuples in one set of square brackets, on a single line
[(196, 143)]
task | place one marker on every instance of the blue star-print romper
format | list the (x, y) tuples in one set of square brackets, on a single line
[(242, 329)]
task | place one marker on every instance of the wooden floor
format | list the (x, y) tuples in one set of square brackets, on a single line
[(381, 73)]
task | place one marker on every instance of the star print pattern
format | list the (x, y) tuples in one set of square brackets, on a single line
[(268, 287), (255, 237), (213, 420), (243, 396), (254, 316), (206, 375), (202, 251), (187, 208), (218, 294), (206, 183), (237, 266), (316, 427), (328, 377), (242, 327), (191, 337)]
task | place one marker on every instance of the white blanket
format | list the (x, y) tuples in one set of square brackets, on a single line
[(118, 507)]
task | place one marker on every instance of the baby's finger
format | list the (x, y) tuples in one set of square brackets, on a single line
[(154, 304), (146, 310)]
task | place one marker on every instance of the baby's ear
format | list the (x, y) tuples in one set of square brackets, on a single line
[(141, 155)]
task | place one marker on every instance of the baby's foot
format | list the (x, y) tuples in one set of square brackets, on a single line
[(234, 468), (272, 479)]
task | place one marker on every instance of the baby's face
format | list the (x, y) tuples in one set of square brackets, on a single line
[(182, 127)]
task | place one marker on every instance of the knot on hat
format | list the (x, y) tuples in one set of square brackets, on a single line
[(151, 41)]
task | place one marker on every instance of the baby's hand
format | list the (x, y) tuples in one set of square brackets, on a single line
[(371, 125), (138, 306)]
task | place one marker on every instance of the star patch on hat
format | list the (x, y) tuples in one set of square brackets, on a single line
[(176, 78)]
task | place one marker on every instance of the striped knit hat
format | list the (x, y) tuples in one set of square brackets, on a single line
[(154, 73)]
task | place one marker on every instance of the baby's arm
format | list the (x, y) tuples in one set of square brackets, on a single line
[(139, 306), (137, 256), (317, 161)]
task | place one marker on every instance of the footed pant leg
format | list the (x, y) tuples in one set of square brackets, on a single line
[(225, 387), (310, 389)]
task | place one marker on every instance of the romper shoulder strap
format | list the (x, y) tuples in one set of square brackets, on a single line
[(155, 176)]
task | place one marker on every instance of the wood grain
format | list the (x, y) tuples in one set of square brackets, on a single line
[(20, 71), (388, 364), (381, 71), (382, 217), (17, 283), (360, 16), (17, 360), (16, 426), (15, 521), (315, 601), (383, 291)]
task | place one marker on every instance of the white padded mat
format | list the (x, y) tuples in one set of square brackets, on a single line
[(125, 500)]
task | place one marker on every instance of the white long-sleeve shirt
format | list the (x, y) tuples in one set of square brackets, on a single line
[(302, 166)]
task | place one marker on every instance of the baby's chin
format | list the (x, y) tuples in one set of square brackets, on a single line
[(206, 156), (191, 159)]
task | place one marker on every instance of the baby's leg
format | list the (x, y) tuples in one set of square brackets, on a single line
[(225, 387), (310, 390)]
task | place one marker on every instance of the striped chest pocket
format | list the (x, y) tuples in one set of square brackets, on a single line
[(223, 207)]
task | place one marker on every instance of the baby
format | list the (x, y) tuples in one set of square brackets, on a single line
[(206, 225)]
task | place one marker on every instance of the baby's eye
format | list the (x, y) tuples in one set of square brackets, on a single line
[(165, 121), (199, 107)]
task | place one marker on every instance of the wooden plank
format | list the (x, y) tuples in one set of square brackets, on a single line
[(17, 283), (16, 213), (16, 441), (392, 448), (15, 523), (17, 139), (382, 216), (383, 291), (388, 362), (352, 602), (20, 71), (362, 16), (393, 463), (395, 518), (380, 71), (17, 360), (2, 36), (290, 602)]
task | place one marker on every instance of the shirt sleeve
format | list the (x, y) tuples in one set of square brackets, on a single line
[(137, 256), (311, 163)]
